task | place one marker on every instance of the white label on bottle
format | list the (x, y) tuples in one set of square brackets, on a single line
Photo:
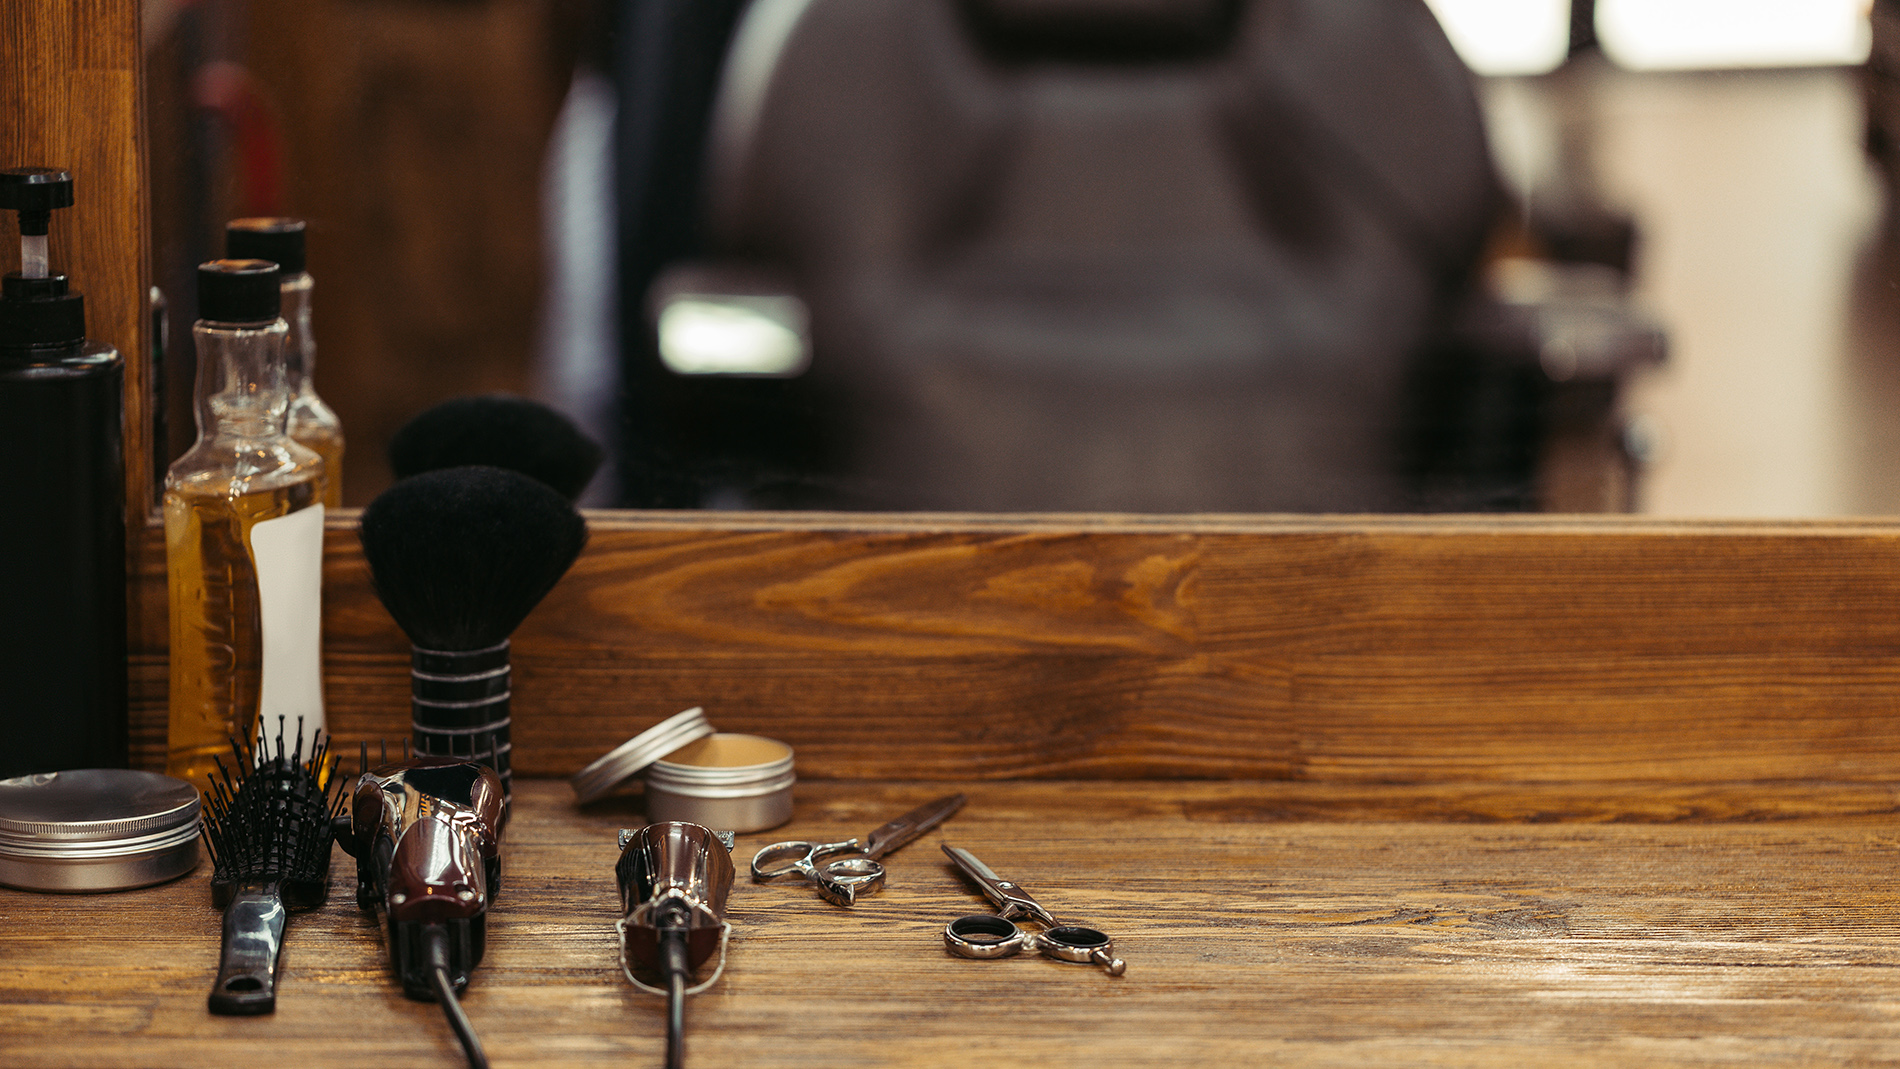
[(289, 555)]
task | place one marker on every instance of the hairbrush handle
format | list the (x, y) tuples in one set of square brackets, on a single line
[(247, 962)]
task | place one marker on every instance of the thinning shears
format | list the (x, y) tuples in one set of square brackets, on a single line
[(843, 871), (987, 935)]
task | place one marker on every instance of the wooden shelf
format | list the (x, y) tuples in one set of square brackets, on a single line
[(1323, 650), (1262, 923)]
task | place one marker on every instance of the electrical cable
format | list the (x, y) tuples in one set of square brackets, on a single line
[(674, 920), (676, 1023), (445, 994)]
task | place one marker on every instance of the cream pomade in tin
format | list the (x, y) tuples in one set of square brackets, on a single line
[(732, 782), (737, 782)]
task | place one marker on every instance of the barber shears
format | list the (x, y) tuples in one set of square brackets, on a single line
[(843, 871), (986, 935)]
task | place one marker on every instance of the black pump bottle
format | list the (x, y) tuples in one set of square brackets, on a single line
[(62, 511)]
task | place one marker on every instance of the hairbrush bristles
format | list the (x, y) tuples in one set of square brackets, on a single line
[(271, 819)]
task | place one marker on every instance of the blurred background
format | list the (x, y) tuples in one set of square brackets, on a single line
[(1140, 255)]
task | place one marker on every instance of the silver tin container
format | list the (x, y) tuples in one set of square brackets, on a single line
[(96, 829), (730, 782), (693, 773)]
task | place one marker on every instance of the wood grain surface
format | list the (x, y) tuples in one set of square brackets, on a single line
[(1729, 924), (1320, 650)]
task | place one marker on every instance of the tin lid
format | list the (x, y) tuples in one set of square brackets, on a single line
[(91, 807), (96, 829), (632, 757)]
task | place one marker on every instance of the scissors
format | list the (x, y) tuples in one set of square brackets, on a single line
[(986, 935), (856, 871)]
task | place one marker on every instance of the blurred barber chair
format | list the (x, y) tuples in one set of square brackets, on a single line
[(1115, 255), (1880, 88)]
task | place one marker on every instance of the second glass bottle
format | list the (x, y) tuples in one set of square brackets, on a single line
[(312, 422)]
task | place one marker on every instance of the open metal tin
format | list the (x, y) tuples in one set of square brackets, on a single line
[(696, 774)]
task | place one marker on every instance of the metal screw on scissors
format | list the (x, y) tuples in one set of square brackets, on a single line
[(997, 935), (855, 870)]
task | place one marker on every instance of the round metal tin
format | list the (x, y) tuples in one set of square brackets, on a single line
[(730, 782), (734, 782), (96, 829), (632, 757)]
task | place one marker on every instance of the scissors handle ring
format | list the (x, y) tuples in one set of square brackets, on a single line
[(987, 935), (844, 881), (782, 859), (1083, 946), (983, 935)]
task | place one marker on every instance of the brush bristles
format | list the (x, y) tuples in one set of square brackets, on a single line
[(501, 432), (271, 818), (460, 557)]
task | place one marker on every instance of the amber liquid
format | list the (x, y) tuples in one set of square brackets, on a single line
[(217, 650), (311, 423), (326, 440)]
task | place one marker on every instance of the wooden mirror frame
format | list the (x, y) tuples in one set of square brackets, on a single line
[(1348, 649)]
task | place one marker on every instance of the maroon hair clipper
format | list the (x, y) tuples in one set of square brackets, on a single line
[(426, 835)]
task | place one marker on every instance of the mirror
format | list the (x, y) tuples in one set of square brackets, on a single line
[(410, 135), (422, 140)]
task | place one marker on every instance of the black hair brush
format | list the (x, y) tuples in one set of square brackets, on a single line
[(459, 558), (268, 828), (497, 431)]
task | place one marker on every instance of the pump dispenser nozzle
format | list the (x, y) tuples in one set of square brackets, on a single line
[(34, 192), (37, 310)]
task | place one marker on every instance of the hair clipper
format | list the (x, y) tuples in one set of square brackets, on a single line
[(674, 878), (426, 835)]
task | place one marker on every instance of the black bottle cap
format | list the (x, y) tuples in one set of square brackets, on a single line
[(34, 192), (272, 238), (238, 291), (40, 313)]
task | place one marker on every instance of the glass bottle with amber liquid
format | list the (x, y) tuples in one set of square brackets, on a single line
[(243, 537), (312, 422)]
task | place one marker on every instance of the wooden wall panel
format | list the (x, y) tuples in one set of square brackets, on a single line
[(1314, 649)]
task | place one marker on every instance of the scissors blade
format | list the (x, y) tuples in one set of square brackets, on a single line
[(911, 825), (1010, 898)]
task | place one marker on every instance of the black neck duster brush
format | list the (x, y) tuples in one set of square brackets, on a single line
[(460, 557), (498, 431), (268, 826)]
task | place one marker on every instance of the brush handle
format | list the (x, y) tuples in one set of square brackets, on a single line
[(247, 963), (459, 706)]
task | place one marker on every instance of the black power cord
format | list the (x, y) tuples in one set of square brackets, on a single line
[(436, 947), (677, 967)]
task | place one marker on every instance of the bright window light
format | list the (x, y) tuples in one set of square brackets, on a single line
[(1506, 36), (729, 335), (1682, 34)]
